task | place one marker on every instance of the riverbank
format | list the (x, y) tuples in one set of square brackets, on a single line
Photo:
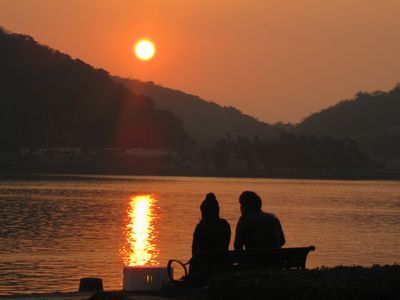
[(112, 295), (337, 174), (345, 283), (48, 296), (377, 282)]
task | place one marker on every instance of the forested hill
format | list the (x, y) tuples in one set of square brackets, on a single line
[(205, 121), (49, 99), (373, 119), (366, 113)]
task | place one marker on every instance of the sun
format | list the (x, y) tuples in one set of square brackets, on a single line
[(145, 49)]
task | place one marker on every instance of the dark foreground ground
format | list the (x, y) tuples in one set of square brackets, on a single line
[(377, 282)]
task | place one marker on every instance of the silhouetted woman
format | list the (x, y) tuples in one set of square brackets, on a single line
[(212, 233)]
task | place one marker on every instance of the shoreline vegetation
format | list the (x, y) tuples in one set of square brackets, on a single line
[(340, 282), (274, 174), (24, 171)]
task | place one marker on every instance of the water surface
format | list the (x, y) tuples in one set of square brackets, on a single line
[(55, 230)]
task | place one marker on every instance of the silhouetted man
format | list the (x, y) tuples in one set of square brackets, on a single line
[(257, 229)]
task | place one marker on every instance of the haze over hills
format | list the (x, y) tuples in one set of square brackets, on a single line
[(49, 99), (204, 120)]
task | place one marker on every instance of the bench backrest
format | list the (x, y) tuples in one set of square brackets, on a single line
[(205, 264)]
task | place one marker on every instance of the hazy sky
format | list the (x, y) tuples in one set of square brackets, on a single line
[(273, 59)]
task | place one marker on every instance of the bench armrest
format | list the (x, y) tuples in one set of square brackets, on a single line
[(169, 268)]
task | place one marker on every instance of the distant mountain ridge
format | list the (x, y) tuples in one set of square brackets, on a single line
[(372, 119), (205, 121), (48, 99), (366, 113)]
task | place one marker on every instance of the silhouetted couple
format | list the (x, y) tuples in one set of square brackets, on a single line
[(255, 229)]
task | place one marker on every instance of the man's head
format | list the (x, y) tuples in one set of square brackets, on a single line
[(250, 202)]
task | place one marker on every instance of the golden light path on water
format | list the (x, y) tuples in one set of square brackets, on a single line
[(140, 232)]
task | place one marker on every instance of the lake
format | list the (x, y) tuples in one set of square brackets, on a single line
[(55, 230)]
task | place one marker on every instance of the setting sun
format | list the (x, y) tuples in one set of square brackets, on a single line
[(145, 49)]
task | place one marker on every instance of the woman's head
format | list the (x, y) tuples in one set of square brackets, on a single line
[(209, 207)]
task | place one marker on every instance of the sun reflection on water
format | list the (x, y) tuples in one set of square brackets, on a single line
[(140, 232)]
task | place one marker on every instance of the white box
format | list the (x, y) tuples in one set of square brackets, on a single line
[(142, 278)]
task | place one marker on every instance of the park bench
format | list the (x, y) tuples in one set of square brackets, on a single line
[(204, 265)]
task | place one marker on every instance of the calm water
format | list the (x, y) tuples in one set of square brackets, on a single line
[(55, 230)]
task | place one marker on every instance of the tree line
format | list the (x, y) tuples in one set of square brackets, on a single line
[(288, 151)]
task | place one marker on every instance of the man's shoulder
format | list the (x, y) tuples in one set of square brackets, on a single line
[(241, 222), (269, 217)]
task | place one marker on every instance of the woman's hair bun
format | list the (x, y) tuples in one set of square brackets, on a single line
[(211, 196)]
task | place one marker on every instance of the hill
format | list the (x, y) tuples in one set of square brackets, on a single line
[(372, 119), (205, 121), (49, 99)]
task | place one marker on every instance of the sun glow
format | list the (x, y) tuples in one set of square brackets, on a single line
[(145, 49), (140, 232)]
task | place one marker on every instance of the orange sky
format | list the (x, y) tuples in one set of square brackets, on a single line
[(273, 59)]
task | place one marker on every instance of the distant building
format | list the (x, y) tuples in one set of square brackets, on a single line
[(60, 151), (150, 152), (110, 152)]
